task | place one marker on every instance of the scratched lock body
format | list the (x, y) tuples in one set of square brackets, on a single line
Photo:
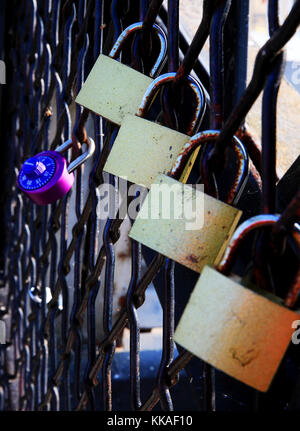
[(192, 245), (242, 332), (113, 89), (47, 177), (147, 148)]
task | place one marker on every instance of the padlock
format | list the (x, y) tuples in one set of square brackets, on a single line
[(172, 236), (113, 89), (46, 177), (147, 148), (242, 332)]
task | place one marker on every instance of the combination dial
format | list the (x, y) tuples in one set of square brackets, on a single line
[(37, 172), (45, 177)]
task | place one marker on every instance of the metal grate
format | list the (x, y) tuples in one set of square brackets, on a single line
[(59, 262)]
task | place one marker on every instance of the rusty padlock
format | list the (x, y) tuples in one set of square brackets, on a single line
[(147, 148), (242, 332), (113, 89), (193, 244)]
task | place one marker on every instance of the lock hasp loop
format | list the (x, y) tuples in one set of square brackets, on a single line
[(82, 157), (116, 49), (182, 166), (170, 77)]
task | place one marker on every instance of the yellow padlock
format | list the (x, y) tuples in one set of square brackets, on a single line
[(142, 149), (147, 148), (242, 332), (167, 227), (113, 89)]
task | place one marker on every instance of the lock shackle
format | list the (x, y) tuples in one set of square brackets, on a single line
[(80, 159), (116, 49), (253, 223), (211, 135), (242, 173), (170, 77)]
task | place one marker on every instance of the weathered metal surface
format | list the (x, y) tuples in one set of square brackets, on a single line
[(145, 149), (174, 237), (232, 328), (113, 89)]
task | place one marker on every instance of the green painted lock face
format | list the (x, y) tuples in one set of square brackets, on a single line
[(242, 333), (144, 149), (113, 90), (184, 224)]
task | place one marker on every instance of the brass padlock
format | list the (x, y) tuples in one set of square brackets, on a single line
[(113, 89), (242, 332), (147, 148), (174, 234)]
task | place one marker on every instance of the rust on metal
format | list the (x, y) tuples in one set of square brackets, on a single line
[(188, 150), (240, 234), (253, 149), (293, 293)]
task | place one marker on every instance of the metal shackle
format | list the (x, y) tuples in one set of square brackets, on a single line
[(256, 222), (47, 177), (116, 49), (171, 77), (82, 157), (205, 136)]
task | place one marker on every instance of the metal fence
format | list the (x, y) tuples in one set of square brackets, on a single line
[(59, 262)]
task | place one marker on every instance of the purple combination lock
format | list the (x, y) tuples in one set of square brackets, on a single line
[(46, 177)]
